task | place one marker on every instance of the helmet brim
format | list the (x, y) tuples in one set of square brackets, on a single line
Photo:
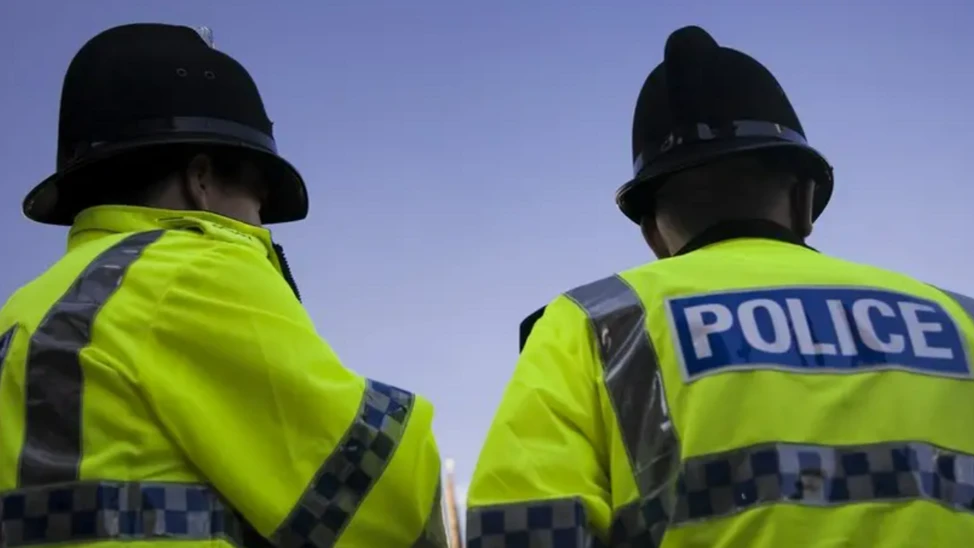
[(635, 197), (50, 203)]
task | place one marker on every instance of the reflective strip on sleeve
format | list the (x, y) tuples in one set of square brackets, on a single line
[(349, 473), (5, 341), (635, 388), (557, 523), (52, 446), (103, 511), (434, 533), (641, 523)]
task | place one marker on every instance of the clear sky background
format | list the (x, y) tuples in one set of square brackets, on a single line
[(462, 156)]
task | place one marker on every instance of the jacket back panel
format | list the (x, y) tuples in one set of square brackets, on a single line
[(84, 318), (823, 412)]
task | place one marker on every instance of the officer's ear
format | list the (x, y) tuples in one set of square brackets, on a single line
[(651, 234), (198, 182), (802, 206)]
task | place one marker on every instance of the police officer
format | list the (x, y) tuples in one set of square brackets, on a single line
[(162, 382), (745, 390)]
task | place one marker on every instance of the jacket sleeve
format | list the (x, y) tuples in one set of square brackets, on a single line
[(543, 472), (300, 446)]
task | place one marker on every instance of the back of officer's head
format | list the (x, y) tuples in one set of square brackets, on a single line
[(221, 180), (745, 187)]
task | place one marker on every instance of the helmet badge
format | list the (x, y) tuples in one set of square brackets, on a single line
[(206, 33)]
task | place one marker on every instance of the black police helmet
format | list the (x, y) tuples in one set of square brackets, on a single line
[(705, 103), (144, 85)]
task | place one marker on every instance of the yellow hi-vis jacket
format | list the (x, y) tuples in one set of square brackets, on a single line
[(162, 386), (752, 393)]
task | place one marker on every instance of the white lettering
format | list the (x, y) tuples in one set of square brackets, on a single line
[(917, 331), (867, 331), (700, 330), (803, 332), (781, 340), (843, 331)]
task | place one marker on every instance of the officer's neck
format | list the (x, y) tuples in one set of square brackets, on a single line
[(741, 228)]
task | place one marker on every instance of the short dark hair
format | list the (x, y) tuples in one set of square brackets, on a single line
[(743, 187), (134, 178)]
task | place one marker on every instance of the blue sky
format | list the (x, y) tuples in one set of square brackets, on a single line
[(462, 156)]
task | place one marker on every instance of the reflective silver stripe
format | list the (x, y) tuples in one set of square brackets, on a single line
[(101, 511), (559, 523), (349, 473), (640, 523), (632, 379), (52, 444), (728, 483), (964, 301), (434, 533), (5, 341)]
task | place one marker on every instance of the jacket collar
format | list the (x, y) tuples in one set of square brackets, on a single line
[(100, 221), (730, 230)]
